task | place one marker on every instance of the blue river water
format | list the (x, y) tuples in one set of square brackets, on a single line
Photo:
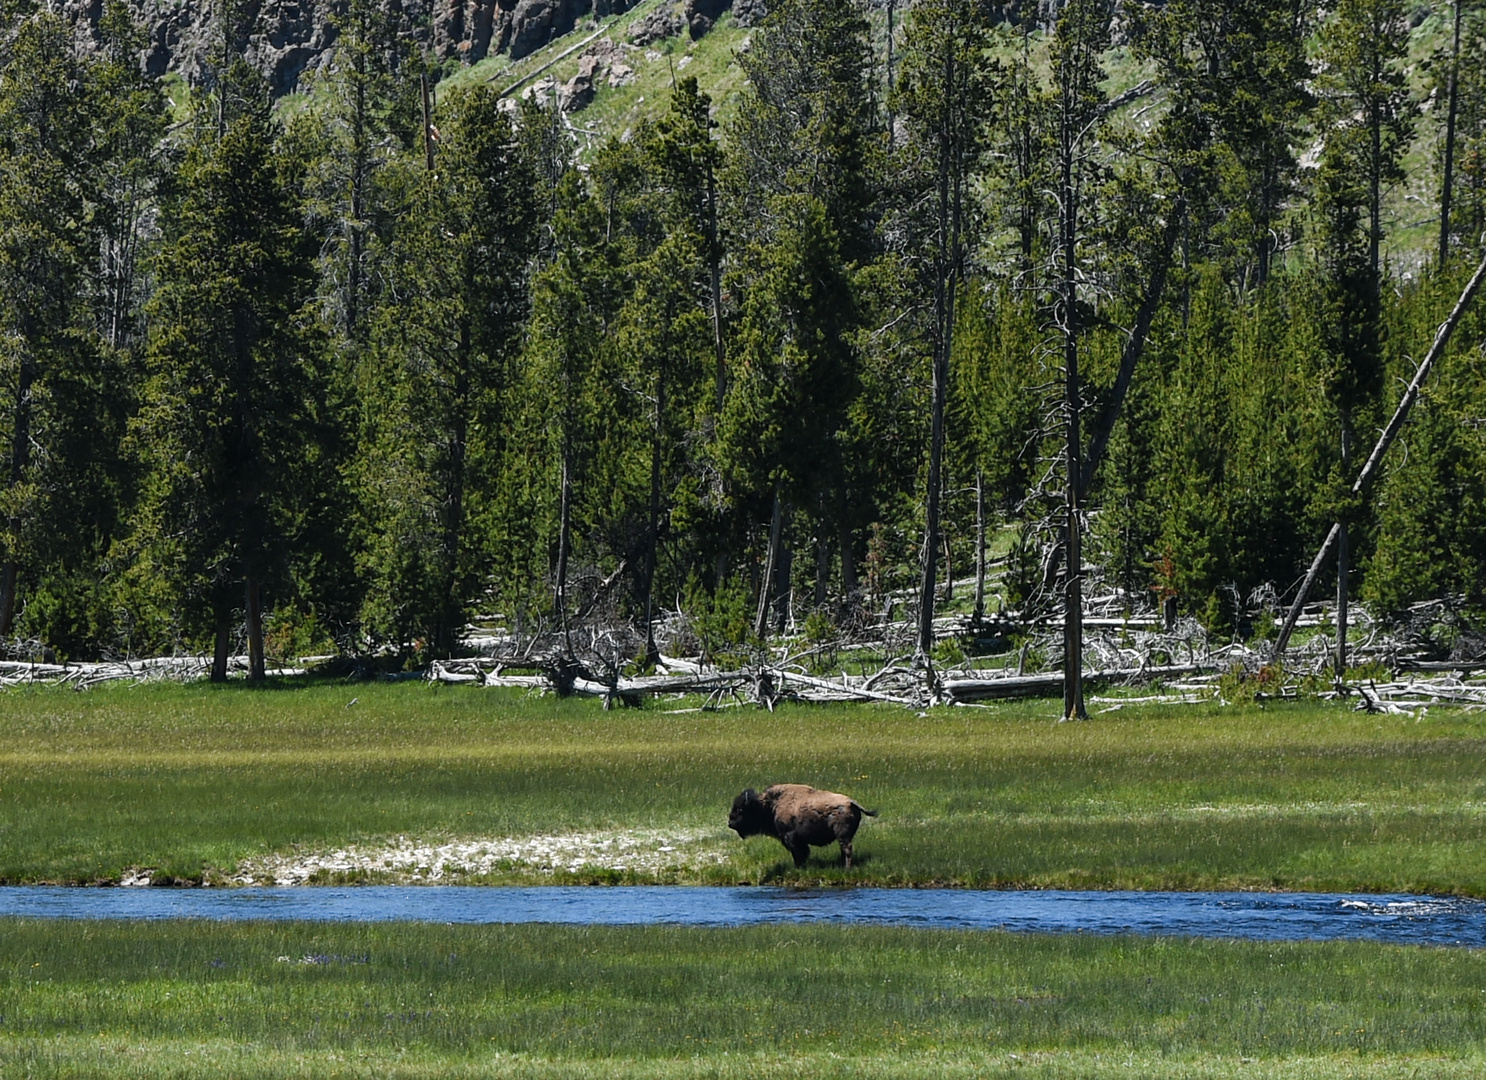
[(1255, 916)]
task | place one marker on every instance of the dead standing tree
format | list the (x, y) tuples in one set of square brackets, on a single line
[(945, 96), (1082, 35)]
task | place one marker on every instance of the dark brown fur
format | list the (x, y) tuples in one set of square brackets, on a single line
[(799, 817)]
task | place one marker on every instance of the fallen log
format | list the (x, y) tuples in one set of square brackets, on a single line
[(1442, 665), (963, 691), (845, 691)]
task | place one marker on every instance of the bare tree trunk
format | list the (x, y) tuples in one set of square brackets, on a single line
[(652, 653), (1134, 348), (222, 640), (822, 554), (564, 540), (1448, 179), (1073, 628), (949, 568), (931, 509), (8, 574), (980, 546), (253, 605), (1024, 156), (847, 544), (771, 557), (944, 317), (783, 575), (1073, 638)]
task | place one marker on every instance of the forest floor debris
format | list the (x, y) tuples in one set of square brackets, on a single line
[(1397, 667)]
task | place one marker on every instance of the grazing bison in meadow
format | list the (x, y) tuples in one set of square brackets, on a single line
[(798, 817)]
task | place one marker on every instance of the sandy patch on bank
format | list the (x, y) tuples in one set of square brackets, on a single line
[(651, 851)]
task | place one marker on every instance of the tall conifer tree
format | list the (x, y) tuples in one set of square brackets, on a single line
[(45, 254), (232, 368), (802, 174), (437, 398)]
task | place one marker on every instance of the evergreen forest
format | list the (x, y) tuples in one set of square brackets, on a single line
[(348, 376)]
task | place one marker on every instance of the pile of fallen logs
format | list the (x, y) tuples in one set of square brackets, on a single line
[(1176, 663), (1182, 663), (160, 668)]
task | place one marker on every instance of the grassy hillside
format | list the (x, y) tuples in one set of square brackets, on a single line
[(617, 110)]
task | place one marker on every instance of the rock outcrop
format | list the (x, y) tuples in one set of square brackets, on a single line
[(662, 23), (289, 37), (603, 61), (286, 37), (749, 12), (701, 15)]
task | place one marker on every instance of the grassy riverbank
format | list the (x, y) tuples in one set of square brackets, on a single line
[(289, 1000), (196, 779)]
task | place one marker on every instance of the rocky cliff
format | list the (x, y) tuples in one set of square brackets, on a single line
[(288, 37)]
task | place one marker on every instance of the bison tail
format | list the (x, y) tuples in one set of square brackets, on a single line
[(863, 809)]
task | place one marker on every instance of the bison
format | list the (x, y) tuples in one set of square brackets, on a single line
[(798, 816)]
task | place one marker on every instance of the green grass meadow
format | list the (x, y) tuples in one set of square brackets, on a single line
[(190, 780), (254, 1000)]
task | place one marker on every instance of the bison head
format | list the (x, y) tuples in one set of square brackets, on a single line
[(749, 816)]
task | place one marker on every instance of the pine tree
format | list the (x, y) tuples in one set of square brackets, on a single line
[(665, 334), (231, 362), (1367, 112), (437, 411), (44, 256), (1431, 505), (792, 372), (945, 96), (805, 124), (1239, 80), (689, 160), (1461, 78), (359, 121), (573, 304), (994, 369), (1351, 328), (804, 167), (130, 119)]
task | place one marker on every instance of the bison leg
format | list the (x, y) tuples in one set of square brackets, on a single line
[(846, 852), (796, 847)]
